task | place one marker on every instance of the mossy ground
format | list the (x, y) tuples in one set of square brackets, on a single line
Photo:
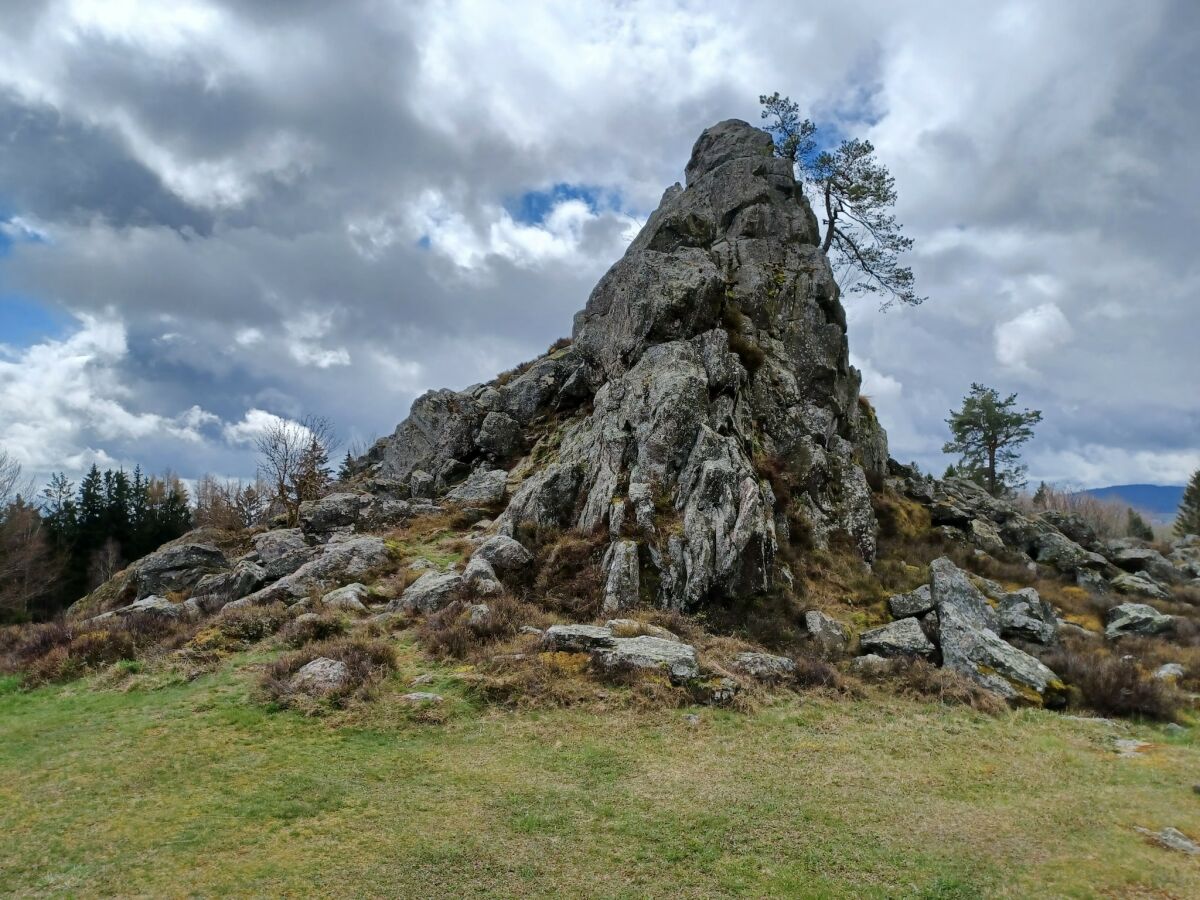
[(135, 784)]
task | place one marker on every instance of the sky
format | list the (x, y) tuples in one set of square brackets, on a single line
[(214, 213)]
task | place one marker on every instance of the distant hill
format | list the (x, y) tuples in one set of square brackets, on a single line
[(1160, 501)]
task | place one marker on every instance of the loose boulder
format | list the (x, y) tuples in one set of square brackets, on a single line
[(576, 638), (430, 592), (914, 603), (903, 637), (1136, 618), (320, 677), (764, 666), (350, 598)]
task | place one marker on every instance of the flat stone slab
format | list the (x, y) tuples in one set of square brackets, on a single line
[(644, 652), (576, 638)]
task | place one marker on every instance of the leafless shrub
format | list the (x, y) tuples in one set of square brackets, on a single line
[(1113, 684), (316, 627)]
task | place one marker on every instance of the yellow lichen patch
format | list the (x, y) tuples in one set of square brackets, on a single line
[(567, 663)]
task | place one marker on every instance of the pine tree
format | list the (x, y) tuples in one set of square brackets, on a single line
[(1137, 527), (346, 472), (1187, 520), (1042, 496), (986, 432)]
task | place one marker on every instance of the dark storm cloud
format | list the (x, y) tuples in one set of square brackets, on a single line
[(305, 206)]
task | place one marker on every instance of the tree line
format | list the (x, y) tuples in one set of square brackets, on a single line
[(60, 543)]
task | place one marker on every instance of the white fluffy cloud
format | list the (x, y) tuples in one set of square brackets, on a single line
[(318, 207), (63, 401), (1025, 337)]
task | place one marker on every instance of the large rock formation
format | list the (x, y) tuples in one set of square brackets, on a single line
[(712, 353)]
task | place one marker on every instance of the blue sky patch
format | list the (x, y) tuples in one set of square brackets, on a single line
[(532, 207), (24, 321)]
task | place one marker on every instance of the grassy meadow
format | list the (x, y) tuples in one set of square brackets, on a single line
[(145, 786)]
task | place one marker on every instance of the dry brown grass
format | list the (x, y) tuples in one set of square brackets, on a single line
[(320, 626), (455, 631), (922, 680), (569, 578)]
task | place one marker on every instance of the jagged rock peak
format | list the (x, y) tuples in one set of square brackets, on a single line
[(731, 139), (723, 418)]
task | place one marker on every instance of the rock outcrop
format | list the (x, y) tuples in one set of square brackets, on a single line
[(712, 352)]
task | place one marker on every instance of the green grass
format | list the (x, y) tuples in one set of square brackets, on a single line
[(197, 789)]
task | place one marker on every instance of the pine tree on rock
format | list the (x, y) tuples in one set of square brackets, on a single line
[(986, 434)]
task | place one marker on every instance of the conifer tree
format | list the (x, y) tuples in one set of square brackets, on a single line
[(1137, 527), (986, 434), (1187, 520)]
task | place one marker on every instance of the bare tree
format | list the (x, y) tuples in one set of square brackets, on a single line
[(12, 485), (293, 458), (105, 563)]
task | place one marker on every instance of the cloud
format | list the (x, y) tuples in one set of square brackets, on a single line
[(63, 400), (325, 204), (1030, 335), (253, 425)]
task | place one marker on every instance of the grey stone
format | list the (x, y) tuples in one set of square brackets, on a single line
[(333, 511), (1169, 671), (764, 666), (500, 435), (621, 576), (903, 637), (478, 613), (483, 487), (440, 430), (177, 567), (350, 598), (1135, 618), (420, 485), (320, 677), (282, 551), (1139, 584), (1026, 616), (950, 586), (213, 591), (430, 592), (825, 632), (576, 638), (914, 603), (1172, 839), (678, 660), (506, 556), (870, 665), (1149, 561), (337, 561)]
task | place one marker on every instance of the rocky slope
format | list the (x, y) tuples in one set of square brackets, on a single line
[(703, 434)]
